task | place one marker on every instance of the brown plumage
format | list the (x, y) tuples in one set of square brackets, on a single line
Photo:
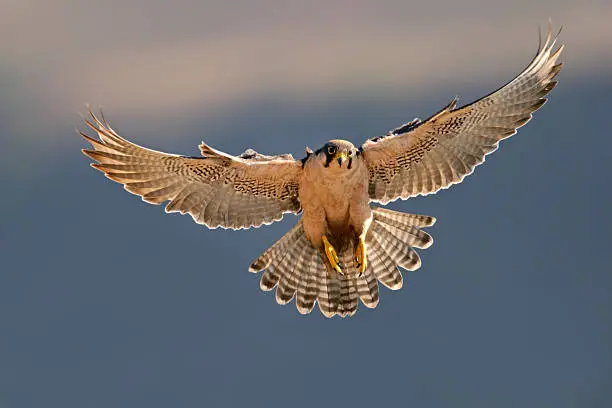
[(341, 247)]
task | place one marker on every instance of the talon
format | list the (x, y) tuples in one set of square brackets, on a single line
[(360, 256), (332, 256)]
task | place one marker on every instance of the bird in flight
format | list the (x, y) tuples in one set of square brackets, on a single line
[(343, 244)]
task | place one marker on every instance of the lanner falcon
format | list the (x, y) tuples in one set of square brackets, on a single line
[(342, 246)]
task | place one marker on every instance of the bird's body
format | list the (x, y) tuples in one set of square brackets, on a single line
[(343, 245), (334, 198)]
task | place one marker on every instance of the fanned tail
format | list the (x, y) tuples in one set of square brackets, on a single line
[(391, 241), (297, 269)]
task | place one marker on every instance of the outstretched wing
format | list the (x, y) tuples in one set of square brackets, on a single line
[(217, 190), (420, 158)]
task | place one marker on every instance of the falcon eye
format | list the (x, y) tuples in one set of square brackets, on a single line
[(332, 150)]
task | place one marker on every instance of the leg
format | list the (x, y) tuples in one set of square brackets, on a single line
[(331, 254), (315, 228), (360, 255), (361, 218)]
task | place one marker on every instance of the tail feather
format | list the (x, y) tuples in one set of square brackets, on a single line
[(416, 220), (269, 280), (385, 270), (329, 292), (402, 254), (349, 298), (279, 247), (301, 271), (407, 233), (290, 280), (308, 288), (276, 253), (367, 287), (297, 269)]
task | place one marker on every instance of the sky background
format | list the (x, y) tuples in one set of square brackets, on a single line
[(105, 301)]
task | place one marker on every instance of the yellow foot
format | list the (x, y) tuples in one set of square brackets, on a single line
[(360, 255), (332, 256)]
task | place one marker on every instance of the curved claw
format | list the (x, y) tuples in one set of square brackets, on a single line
[(331, 254)]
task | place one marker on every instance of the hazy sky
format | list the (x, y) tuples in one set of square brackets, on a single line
[(105, 301), (159, 59)]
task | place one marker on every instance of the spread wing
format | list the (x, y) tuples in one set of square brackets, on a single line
[(217, 189), (420, 158)]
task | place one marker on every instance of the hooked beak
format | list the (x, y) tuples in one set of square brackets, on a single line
[(340, 158)]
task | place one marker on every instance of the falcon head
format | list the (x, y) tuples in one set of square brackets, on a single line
[(336, 154)]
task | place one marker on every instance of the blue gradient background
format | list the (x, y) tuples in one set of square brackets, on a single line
[(107, 302)]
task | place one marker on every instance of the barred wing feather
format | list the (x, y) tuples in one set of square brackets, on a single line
[(217, 189), (420, 158)]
